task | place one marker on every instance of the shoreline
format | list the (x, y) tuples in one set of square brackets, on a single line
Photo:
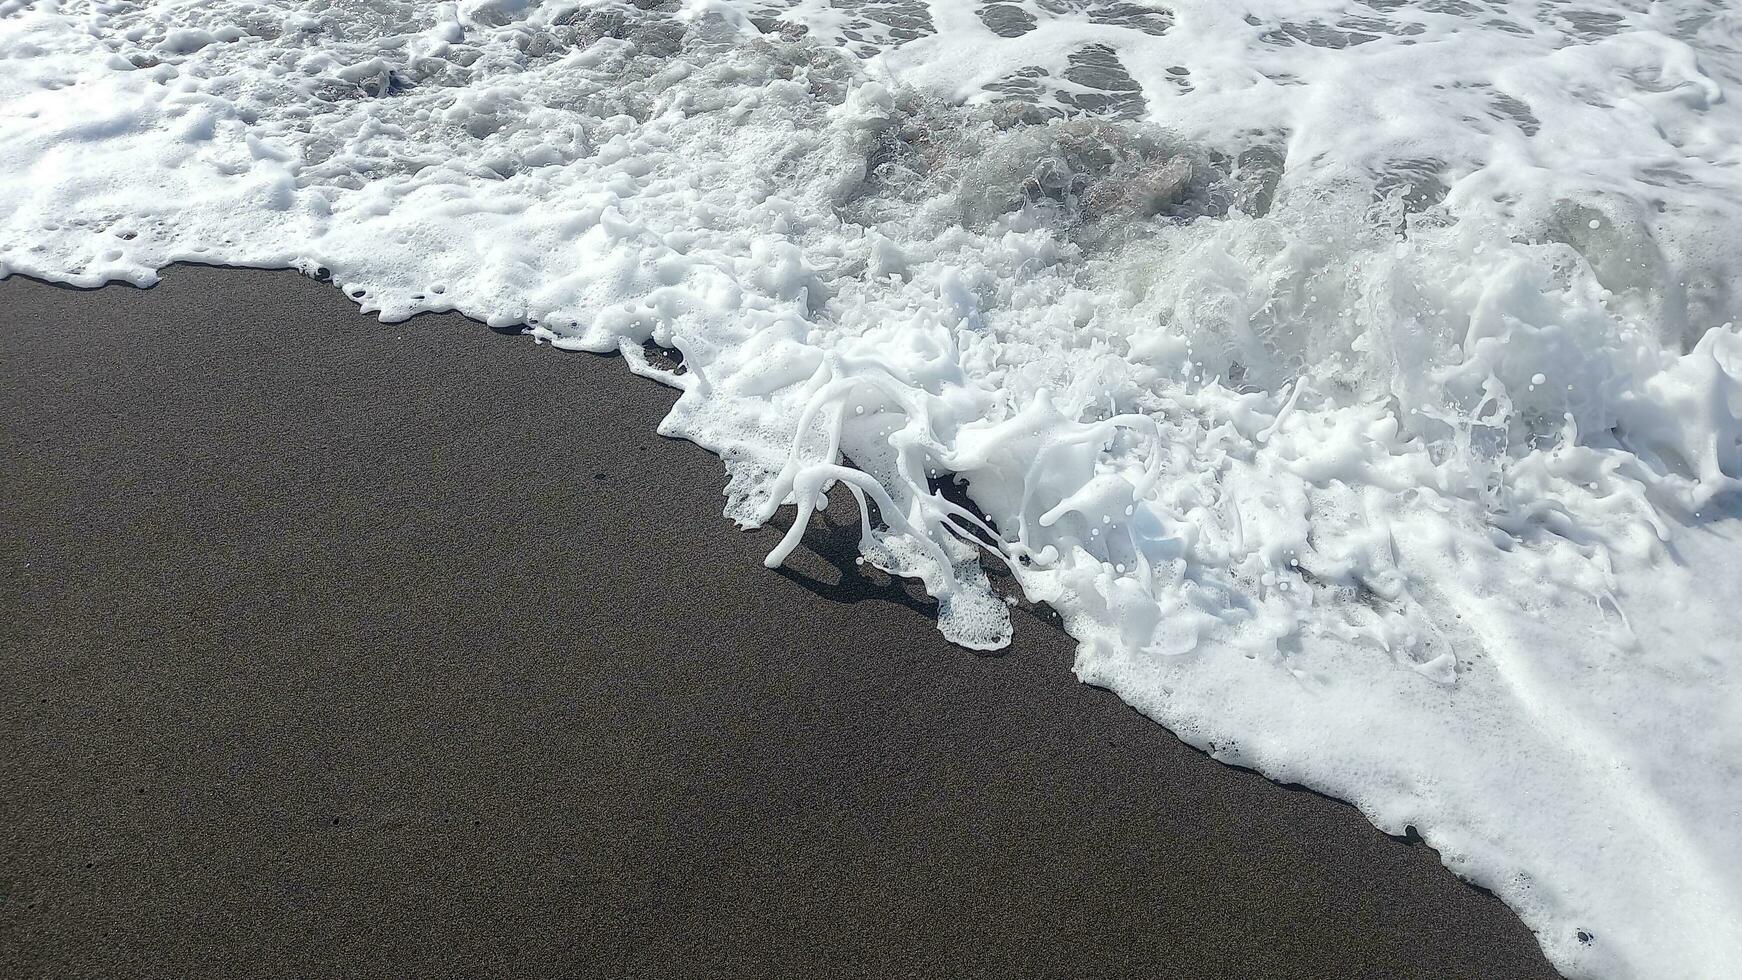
[(344, 647)]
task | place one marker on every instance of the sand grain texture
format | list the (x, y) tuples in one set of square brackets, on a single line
[(334, 648)]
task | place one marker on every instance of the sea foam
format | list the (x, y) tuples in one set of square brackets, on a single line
[(1358, 380)]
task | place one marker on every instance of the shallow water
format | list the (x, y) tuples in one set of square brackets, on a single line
[(1358, 380)]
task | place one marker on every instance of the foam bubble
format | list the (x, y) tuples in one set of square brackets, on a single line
[(1227, 332)]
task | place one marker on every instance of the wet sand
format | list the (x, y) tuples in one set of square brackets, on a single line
[(334, 648)]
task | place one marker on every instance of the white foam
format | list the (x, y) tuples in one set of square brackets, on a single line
[(1359, 381)]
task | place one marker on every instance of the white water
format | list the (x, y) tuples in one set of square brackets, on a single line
[(1358, 380)]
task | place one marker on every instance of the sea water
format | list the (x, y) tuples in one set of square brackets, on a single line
[(1358, 379)]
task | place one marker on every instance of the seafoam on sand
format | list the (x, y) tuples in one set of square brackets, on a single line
[(1359, 380)]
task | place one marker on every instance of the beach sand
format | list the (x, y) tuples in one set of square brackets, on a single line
[(335, 648)]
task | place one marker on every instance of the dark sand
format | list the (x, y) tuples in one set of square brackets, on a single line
[(340, 649)]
